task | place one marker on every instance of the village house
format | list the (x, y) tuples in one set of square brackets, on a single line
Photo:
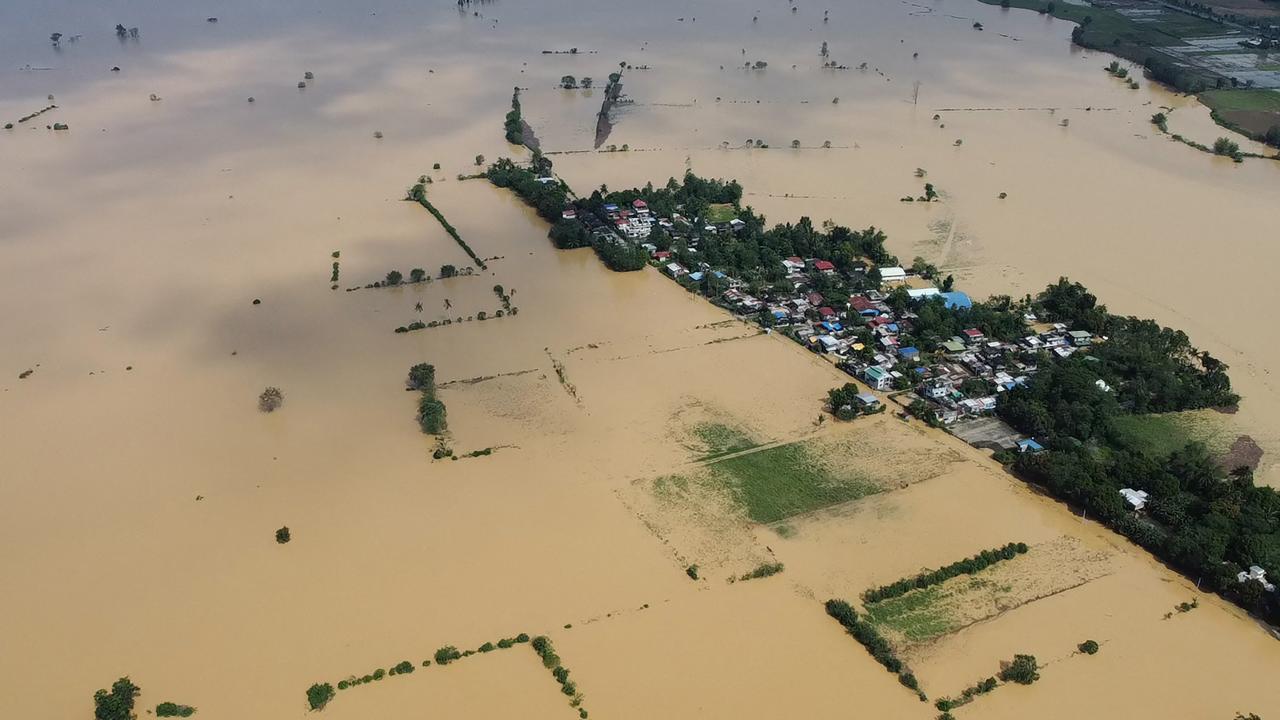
[(878, 378), (892, 274), (1137, 499)]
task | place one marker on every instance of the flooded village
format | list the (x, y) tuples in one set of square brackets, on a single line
[(342, 380)]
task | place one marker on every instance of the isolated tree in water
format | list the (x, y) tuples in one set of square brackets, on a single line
[(116, 704), (270, 400)]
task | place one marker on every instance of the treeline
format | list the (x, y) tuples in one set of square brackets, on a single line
[(874, 642), (431, 411), (320, 694), (418, 193), (550, 199), (514, 122), (967, 566), (551, 661)]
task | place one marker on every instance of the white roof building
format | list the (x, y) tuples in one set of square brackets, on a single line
[(1137, 499), (892, 274)]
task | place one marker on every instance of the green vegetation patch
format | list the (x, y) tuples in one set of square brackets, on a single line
[(918, 616), (718, 439), (787, 480), (1159, 434), (172, 709), (720, 213)]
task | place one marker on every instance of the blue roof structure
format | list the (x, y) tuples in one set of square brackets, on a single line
[(696, 276), (1029, 445), (908, 352), (956, 299)]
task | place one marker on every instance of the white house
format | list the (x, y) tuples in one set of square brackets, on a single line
[(1137, 499), (1256, 573), (892, 274)]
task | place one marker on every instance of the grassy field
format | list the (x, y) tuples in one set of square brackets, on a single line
[(1160, 434), (1258, 100), (719, 440), (787, 480), (720, 213), (917, 616)]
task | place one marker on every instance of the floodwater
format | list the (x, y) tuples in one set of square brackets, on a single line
[(140, 487)]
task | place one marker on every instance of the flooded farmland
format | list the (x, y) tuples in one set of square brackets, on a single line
[(166, 259)]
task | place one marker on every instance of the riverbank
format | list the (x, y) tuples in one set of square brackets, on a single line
[(1150, 40)]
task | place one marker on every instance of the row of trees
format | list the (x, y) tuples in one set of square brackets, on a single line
[(550, 660), (967, 566), (418, 194), (875, 643), (431, 411)]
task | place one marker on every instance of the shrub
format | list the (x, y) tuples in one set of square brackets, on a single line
[(763, 570), (487, 647), (171, 709), (319, 695), (283, 536), (447, 654), (505, 643), (270, 400), (1227, 147), (1022, 670), (1088, 647), (402, 667), (692, 571), (522, 638)]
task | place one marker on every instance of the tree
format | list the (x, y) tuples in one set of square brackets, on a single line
[(448, 271), (319, 695), (55, 37), (116, 704), (270, 400), (447, 654), (1022, 670), (283, 536), (1226, 146), (479, 160), (568, 82), (417, 275), (795, 143), (1273, 136), (1089, 647), (394, 277), (422, 377)]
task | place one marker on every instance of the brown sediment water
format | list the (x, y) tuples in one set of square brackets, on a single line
[(139, 239)]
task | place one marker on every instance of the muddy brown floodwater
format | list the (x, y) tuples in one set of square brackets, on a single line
[(140, 487)]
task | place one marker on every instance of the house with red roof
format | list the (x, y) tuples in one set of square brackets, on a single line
[(824, 266)]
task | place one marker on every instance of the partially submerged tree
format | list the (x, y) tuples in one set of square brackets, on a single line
[(270, 400), (116, 704)]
